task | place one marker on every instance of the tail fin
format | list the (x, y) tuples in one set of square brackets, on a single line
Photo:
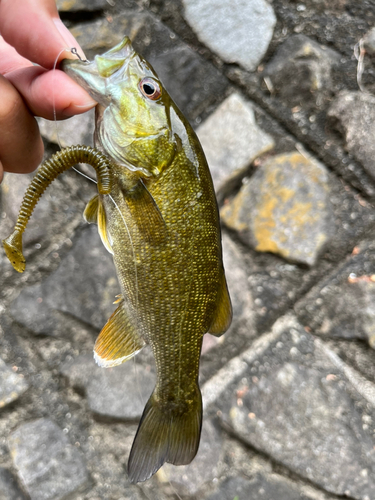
[(165, 436)]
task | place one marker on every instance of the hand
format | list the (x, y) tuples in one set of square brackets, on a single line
[(32, 32)]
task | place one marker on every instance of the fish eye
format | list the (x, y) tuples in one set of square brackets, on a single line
[(150, 88)]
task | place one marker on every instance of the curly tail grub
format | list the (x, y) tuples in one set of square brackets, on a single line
[(48, 171)]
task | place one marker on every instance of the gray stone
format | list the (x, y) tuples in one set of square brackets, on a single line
[(206, 466), (9, 489), (232, 140), (238, 31), (191, 81), (120, 392), (342, 305), (273, 487), (12, 385), (300, 71), (49, 466), (238, 285), (84, 286), (78, 129), (296, 401), (353, 114), (369, 41), (284, 208)]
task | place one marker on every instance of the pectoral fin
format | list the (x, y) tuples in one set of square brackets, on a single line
[(91, 211), (146, 213), (118, 341), (95, 214), (223, 314)]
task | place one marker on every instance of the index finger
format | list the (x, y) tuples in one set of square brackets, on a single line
[(34, 29)]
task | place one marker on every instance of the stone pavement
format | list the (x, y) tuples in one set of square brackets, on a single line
[(287, 122)]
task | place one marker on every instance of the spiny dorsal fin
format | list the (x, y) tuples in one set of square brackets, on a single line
[(223, 314), (118, 341), (146, 214), (91, 211)]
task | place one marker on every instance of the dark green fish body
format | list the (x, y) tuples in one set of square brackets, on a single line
[(160, 221)]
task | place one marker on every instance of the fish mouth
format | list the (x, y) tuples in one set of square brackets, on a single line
[(93, 75)]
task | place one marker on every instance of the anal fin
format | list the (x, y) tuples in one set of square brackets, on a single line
[(223, 314), (146, 213), (118, 341)]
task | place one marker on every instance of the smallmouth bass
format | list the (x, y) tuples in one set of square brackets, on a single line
[(157, 214)]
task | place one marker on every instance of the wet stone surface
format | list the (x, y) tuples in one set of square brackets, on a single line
[(50, 467), (342, 305), (12, 385), (289, 391), (118, 393), (284, 209), (259, 486), (9, 489), (353, 114), (230, 29), (232, 140), (297, 402), (307, 65)]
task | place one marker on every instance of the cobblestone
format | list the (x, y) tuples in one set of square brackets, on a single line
[(50, 467)]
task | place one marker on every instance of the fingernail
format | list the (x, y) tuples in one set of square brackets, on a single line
[(68, 38)]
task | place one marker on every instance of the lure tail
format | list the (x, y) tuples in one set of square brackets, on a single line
[(48, 171), (165, 435)]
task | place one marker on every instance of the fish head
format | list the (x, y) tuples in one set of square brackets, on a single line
[(133, 114)]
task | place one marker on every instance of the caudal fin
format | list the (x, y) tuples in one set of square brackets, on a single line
[(165, 436)]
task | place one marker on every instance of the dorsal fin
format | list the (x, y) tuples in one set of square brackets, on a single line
[(118, 341), (223, 314), (146, 213)]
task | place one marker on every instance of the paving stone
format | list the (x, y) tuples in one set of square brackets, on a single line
[(353, 114), (238, 285), (192, 82), (284, 208), (9, 489), (300, 71), (84, 286), (369, 41), (206, 466), (292, 398), (259, 486), (342, 305), (78, 129), (120, 392), (49, 466), (232, 140), (12, 385), (239, 31)]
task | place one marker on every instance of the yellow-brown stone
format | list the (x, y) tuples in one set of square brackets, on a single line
[(284, 208)]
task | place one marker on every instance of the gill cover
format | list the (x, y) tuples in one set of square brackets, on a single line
[(132, 119)]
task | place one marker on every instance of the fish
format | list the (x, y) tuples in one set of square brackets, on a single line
[(157, 215)]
